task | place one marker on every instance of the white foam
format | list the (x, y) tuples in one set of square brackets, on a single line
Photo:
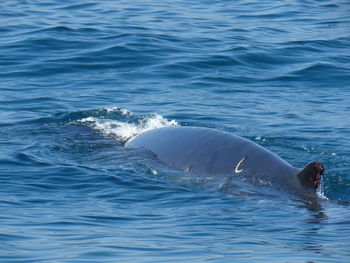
[(154, 171), (123, 131), (321, 195), (124, 112)]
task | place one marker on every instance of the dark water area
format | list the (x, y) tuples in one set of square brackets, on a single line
[(78, 79)]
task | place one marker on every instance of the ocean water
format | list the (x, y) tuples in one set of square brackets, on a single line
[(78, 78)]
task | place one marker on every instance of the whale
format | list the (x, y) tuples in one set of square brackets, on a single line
[(210, 151)]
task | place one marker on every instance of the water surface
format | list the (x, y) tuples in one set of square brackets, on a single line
[(78, 79)]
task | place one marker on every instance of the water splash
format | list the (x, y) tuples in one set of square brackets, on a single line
[(124, 130), (124, 112)]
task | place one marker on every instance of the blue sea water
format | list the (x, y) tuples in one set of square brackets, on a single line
[(78, 78)]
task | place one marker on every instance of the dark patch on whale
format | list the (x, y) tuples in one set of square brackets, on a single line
[(210, 151)]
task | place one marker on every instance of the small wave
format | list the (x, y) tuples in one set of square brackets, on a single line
[(124, 130), (79, 6), (54, 30)]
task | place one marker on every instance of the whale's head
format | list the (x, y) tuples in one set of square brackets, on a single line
[(310, 176)]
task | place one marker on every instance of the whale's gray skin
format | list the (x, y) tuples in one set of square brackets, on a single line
[(210, 151)]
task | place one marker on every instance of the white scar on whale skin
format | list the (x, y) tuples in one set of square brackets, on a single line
[(237, 166)]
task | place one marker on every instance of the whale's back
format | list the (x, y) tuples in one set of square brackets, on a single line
[(210, 151)]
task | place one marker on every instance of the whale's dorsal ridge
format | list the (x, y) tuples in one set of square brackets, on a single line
[(208, 151)]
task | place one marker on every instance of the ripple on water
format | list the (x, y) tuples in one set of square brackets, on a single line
[(79, 79)]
